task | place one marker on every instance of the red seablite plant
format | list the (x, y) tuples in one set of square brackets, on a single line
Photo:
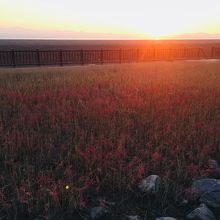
[(156, 156), (100, 132)]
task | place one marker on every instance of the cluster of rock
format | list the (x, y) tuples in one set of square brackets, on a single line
[(206, 191)]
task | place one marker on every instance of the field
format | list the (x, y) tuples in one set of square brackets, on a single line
[(71, 135), (206, 45)]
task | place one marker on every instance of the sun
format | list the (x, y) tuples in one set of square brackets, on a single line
[(155, 33), (155, 29), (159, 27)]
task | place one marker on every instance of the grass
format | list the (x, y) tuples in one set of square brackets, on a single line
[(69, 135)]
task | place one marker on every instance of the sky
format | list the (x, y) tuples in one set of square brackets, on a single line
[(112, 19)]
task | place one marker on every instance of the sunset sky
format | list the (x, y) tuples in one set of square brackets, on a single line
[(113, 19)]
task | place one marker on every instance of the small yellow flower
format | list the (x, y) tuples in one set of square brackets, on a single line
[(67, 187)]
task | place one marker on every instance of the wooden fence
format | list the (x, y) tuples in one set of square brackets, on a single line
[(13, 58)]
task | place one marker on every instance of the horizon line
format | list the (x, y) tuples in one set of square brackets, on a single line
[(141, 39)]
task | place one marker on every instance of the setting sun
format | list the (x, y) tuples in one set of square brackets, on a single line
[(109, 19)]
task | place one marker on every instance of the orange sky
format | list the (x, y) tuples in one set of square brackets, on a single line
[(115, 19)]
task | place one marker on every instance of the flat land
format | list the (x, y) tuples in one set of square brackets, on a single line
[(99, 130), (206, 45)]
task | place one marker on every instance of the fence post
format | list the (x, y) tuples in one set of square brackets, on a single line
[(38, 57), (13, 58), (169, 54), (184, 53), (198, 54), (133, 55), (138, 54), (61, 57), (82, 57), (154, 54), (101, 58), (203, 53), (120, 56), (172, 54), (212, 52)]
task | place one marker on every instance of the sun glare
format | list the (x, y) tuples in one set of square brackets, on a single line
[(140, 18)]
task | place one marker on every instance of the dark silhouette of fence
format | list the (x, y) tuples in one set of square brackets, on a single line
[(13, 58)]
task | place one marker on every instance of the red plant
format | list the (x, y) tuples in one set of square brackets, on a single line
[(156, 156), (102, 132)]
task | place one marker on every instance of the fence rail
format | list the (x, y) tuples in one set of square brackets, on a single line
[(13, 58)]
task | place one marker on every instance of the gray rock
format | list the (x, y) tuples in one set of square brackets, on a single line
[(133, 217), (213, 164), (199, 187), (98, 212), (215, 173), (183, 203), (201, 213), (208, 190), (166, 218), (150, 184), (104, 202), (212, 197)]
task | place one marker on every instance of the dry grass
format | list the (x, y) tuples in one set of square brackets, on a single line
[(100, 129)]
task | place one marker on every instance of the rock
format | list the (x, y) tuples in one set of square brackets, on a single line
[(214, 169), (104, 203), (208, 190), (213, 164), (98, 212), (215, 173), (212, 197), (133, 217), (201, 213), (199, 187), (166, 218), (183, 203), (150, 184)]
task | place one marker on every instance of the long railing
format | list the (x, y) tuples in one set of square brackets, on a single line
[(14, 58)]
